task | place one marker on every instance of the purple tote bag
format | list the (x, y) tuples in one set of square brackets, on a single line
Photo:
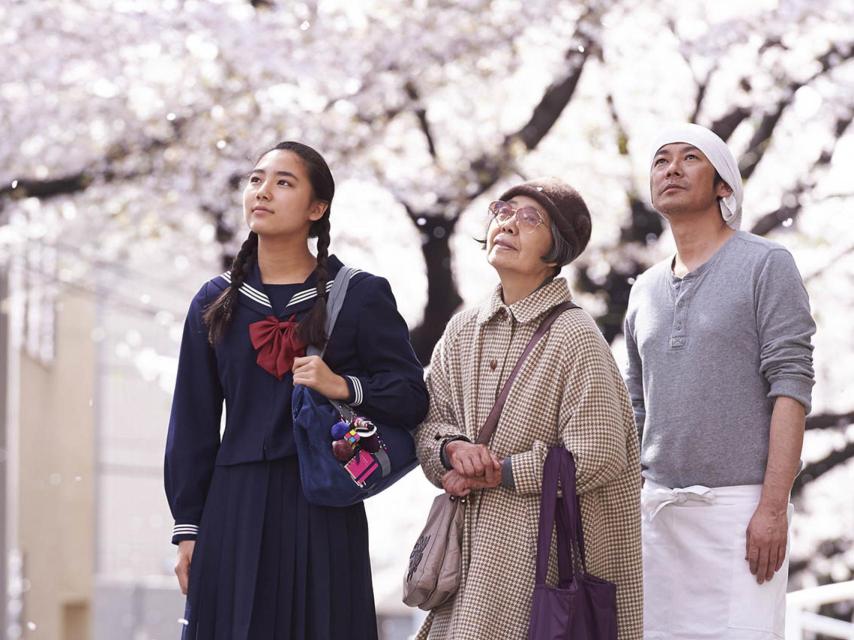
[(580, 606)]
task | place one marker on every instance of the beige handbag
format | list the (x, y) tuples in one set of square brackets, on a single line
[(433, 575), (434, 564)]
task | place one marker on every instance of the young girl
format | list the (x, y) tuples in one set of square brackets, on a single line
[(255, 559)]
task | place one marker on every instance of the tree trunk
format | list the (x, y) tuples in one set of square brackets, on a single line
[(443, 298)]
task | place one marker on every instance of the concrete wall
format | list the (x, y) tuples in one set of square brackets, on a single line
[(56, 479)]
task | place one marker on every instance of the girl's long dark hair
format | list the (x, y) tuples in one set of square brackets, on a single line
[(312, 328)]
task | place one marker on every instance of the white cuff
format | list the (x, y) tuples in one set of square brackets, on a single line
[(358, 396), (185, 530)]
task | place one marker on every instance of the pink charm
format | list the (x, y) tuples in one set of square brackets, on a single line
[(361, 466)]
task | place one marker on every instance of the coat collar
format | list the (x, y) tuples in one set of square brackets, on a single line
[(527, 309), (253, 294)]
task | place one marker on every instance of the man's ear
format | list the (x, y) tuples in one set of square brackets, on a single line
[(723, 190), (318, 209)]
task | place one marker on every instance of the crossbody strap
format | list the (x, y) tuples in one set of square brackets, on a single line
[(492, 420), (334, 303)]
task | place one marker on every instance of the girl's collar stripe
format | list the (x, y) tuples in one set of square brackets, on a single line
[(253, 294), (308, 294), (250, 292), (227, 276)]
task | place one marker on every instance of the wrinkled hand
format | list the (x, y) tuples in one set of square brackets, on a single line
[(473, 461), (460, 486), (455, 484), (766, 541), (313, 372), (182, 566)]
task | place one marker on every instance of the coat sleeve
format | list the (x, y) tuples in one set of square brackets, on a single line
[(785, 328), (193, 438), (391, 389), (442, 421), (593, 415)]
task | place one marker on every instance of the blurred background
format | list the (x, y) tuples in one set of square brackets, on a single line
[(126, 127)]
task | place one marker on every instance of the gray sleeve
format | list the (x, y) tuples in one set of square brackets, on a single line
[(634, 372), (507, 480), (785, 328)]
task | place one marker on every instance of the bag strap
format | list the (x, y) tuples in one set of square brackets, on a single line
[(492, 420), (570, 506), (550, 507), (561, 514), (334, 302)]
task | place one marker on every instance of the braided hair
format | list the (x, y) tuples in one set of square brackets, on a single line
[(312, 328)]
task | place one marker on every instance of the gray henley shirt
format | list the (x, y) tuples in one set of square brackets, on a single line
[(707, 356)]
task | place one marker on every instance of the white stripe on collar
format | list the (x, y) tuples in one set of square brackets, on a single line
[(253, 294), (250, 292), (308, 294)]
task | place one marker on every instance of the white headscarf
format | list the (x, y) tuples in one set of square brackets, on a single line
[(718, 154)]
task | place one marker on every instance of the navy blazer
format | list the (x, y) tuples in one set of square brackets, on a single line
[(369, 346)]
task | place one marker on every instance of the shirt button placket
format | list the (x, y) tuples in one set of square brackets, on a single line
[(677, 337), (677, 334)]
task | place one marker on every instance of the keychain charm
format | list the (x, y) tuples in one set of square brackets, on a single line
[(353, 443)]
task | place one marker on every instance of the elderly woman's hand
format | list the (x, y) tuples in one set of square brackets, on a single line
[(460, 486), (455, 484), (473, 460)]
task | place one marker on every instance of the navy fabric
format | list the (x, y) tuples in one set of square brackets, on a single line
[(370, 342), (324, 479), (270, 566), (280, 294)]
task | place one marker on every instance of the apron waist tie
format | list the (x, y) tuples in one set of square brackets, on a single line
[(657, 499)]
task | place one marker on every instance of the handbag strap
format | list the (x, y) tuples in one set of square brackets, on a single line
[(559, 468), (548, 504), (571, 504), (334, 303), (492, 419)]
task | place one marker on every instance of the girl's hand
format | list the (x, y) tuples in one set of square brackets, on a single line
[(312, 372), (182, 566)]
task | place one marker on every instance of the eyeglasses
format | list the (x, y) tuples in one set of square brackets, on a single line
[(527, 218)]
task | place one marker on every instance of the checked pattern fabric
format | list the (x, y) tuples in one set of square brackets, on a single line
[(569, 392)]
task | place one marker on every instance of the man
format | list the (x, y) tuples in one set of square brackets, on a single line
[(720, 375)]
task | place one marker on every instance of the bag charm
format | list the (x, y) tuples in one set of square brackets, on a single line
[(365, 458), (352, 443)]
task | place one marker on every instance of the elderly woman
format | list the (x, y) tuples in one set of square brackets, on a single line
[(568, 393)]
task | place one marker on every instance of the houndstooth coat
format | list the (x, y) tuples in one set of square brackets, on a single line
[(569, 392)]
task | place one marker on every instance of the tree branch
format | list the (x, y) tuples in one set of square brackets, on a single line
[(830, 420), (792, 205), (100, 170), (817, 469), (728, 123), (421, 113), (702, 85)]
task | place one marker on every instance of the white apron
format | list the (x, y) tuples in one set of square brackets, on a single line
[(697, 584)]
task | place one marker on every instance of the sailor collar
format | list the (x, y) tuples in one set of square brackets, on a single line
[(254, 296)]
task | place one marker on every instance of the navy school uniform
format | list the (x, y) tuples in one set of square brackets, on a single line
[(267, 564)]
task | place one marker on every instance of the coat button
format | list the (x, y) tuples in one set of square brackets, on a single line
[(492, 364)]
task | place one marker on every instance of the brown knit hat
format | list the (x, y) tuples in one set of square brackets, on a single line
[(565, 207)]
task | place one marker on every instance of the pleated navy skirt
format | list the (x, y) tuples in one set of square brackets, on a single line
[(270, 566)]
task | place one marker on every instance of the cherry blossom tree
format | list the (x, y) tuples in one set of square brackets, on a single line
[(128, 127)]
